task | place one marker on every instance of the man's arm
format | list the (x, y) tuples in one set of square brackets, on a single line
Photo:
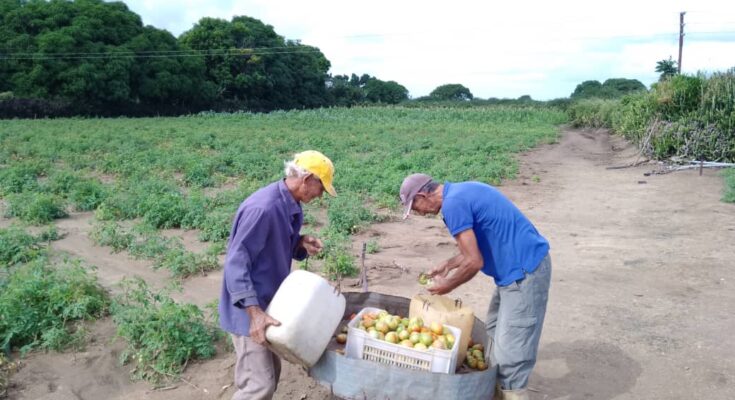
[(443, 269), (465, 265), (249, 241)]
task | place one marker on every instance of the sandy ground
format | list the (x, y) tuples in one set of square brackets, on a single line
[(640, 306)]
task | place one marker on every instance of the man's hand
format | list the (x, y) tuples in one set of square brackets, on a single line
[(441, 270), (440, 286), (463, 266), (311, 244), (259, 322)]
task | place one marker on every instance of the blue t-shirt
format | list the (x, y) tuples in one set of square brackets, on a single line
[(509, 243)]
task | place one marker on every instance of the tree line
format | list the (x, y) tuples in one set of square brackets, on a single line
[(92, 57)]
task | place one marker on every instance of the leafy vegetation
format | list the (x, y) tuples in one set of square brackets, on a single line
[(372, 246), (687, 116), (148, 165), (168, 253), (36, 208), (610, 89), (729, 195), (43, 305), (162, 335), (452, 91), (667, 68), (19, 247), (94, 57)]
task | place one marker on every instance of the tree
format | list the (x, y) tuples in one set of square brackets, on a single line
[(525, 98), (621, 86), (587, 89), (452, 92), (255, 68), (352, 90), (342, 93), (667, 68), (90, 54), (390, 92), (611, 89)]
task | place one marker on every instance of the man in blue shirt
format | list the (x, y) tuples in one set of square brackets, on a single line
[(494, 237), (265, 237)]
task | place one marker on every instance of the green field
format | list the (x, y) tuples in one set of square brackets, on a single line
[(139, 176), (155, 168)]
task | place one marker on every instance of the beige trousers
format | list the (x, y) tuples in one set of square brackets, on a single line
[(257, 370)]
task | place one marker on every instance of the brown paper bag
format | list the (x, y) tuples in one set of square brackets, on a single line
[(434, 308)]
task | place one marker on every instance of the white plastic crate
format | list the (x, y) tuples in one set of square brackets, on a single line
[(361, 345)]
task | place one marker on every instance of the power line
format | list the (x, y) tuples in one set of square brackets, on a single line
[(169, 51), (263, 50), (43, 56)]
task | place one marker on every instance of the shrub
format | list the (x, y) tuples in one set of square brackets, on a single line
[(633, 117), (372, 246), (162, 335), (37, 208), (347, 213), (166, 210), (145, 242), (595, 113), (685, 116), (20, 177), (87, 195), (678, 96), (184, 263), (42, 305), (18, 247), (62, 182), (111, 234), (199, 175), (216, 226), (338, 264)]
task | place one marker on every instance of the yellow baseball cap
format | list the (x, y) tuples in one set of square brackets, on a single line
[(319, 165)]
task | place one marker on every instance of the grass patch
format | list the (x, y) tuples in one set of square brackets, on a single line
[(143, 242), (160, 166), (689, 116), (42, 306), (729, 175), (35, 208), (372, 246), (18, 246), (162, 335)]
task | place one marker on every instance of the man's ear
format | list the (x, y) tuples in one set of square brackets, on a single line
[(420, 194)]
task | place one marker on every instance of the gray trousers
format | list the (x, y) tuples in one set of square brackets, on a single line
[(257, 370), (514, 321)]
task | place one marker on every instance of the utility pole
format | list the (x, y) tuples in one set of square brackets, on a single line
[(681, 38)]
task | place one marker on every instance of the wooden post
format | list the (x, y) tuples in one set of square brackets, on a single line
[(681, 38), (364, 277)]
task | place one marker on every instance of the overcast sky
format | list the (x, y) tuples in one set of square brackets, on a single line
[(495, 48)]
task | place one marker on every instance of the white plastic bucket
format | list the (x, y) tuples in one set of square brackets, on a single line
[(309, 311)]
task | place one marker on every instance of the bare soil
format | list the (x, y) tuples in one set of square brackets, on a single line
[(640, 305)]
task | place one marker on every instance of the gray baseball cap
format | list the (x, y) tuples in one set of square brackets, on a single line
[(410, 187)]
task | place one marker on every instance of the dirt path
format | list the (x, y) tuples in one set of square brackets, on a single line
[(641, 300)]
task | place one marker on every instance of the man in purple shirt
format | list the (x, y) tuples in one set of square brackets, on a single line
[(265, 237)]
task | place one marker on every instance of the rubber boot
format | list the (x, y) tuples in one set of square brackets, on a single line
[(498, 395), (517, 394)]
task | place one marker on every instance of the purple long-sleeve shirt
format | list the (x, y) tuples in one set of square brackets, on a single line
[(264, 239)]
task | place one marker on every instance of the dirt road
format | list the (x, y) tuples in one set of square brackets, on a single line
[(640, 306)]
